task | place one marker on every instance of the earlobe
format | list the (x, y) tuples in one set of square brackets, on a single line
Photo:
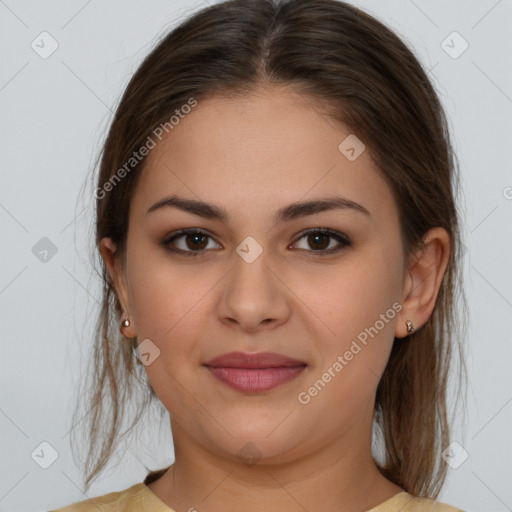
[(115, 270), (423, 281)]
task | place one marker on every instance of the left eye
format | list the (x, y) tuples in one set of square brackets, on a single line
[(195, 241), (319, 237)]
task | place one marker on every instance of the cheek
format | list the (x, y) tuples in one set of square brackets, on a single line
[(350, 297), (168, 308), (164, 295), (358, 307)]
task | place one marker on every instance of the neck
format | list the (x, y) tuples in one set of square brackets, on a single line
[(337, 477)]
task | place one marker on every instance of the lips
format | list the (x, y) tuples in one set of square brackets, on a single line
[(254, 373), (257, 360)]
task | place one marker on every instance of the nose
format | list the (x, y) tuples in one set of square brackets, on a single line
[(254, 297)]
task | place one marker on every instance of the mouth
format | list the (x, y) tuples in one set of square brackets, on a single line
[(254, 373)]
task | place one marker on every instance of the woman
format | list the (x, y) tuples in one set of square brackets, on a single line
[(280, 241)]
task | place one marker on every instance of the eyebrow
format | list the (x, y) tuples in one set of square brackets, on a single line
[(285, 214)]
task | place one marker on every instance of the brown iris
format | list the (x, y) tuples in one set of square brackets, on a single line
[(315, 236)]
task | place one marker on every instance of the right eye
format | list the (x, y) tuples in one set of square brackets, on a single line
[(193, 243)]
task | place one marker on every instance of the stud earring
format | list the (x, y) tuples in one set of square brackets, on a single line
[(126, 322), (410, 327)]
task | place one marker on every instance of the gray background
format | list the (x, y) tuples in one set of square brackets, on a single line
[(54, 114)]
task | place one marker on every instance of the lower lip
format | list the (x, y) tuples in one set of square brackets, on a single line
[(255, 380)]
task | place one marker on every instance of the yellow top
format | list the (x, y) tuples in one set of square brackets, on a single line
[(140, 498)]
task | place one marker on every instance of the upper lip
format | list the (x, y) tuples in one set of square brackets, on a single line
[(254, 360)]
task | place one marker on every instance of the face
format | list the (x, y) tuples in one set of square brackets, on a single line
[(252, 283)]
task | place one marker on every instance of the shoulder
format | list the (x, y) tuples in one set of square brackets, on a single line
[(408, 503), (429, 505), (126, 500)]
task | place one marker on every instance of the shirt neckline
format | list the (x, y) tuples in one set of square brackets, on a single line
[(397, 499), (150, 498)]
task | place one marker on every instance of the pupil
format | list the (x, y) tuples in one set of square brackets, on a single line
[(195, 237), (316, 236)]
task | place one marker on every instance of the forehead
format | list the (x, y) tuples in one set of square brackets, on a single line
[(256, 153)]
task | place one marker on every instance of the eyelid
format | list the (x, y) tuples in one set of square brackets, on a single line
[(327, 231)]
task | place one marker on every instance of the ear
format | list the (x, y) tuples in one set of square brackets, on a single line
[(117, 274), (423, 281)]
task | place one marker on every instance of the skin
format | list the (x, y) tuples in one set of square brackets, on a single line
[(252, 156)]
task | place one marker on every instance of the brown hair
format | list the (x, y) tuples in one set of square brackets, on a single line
[(344, 59)]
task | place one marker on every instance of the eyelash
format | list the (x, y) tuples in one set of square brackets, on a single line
[(344, 240)]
